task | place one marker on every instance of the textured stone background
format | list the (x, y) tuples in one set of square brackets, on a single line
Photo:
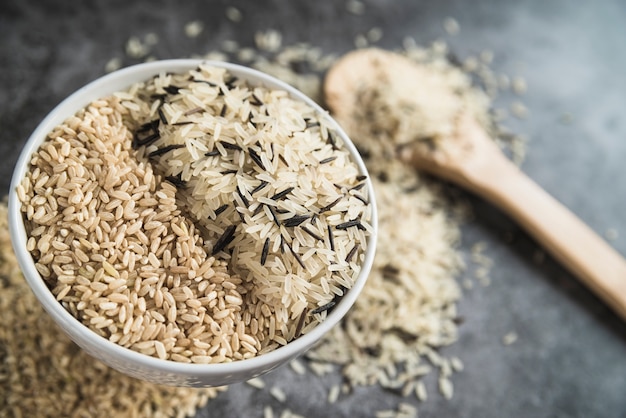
[(570, 358)]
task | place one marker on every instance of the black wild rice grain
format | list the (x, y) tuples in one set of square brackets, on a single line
[(255, 100), (160, 97), (228, 145), (228, 172), (295, 220), (242, 197), (225, 239), (282, 194), (221, 209), (195, 80), (266, 248), (223, 111), (311, 233), (361, 178), (297, 257), (327, 160), (323, 308), (146, 134), (331, 141), (361, 198), (330, 205), (352, 252), (164, 150), (281, 158), (331, 238), (257, 160), (358, 186), (213, 153), (349, 224), (171, 89), (162, 116), (250, 116), (231, 82), (257, 210), (177, 181), (276, 221), (300, 323), (259, 187)]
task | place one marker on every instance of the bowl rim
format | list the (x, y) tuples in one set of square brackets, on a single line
[(123, 79)]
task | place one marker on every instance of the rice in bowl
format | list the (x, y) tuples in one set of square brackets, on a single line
[(197, 218)]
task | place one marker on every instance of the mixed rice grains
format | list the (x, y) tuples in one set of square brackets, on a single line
[(196, 219), (417, 223)]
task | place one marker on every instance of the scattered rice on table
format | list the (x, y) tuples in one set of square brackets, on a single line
[(519, 110), (611, 234), (518, 85), (234, 14), (355, 7), (256, 382), (278, 394), (333, 393), (113, 64), (194, 28), (451, 26), (510, 338), (136, 48), (298, 367)]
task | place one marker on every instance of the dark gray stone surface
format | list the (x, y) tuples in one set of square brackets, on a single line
[(570, 359)]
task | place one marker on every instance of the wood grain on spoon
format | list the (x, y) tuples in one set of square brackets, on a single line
[(468, 157)]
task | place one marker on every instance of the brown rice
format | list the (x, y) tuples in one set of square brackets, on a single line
[(44, 374)]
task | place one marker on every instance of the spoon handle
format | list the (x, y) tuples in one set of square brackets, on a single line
[(564, 235)]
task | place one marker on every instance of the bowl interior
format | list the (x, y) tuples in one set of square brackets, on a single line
[(128, 361)]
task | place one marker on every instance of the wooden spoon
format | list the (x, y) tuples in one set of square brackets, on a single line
[(471, 159)]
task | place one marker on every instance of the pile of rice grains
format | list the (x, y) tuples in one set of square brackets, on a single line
[(391, 337)]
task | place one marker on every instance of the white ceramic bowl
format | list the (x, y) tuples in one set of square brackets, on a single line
[(125, 360)]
